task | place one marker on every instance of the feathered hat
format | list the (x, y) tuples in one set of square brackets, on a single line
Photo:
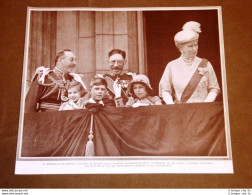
[(190, 32)]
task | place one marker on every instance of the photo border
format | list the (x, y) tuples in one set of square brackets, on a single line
[(23, 163)]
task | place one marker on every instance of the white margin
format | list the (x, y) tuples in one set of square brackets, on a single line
[(225, 165)]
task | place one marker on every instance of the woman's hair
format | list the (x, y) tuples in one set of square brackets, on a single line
[(96, 81), (148, 90), (179, 46), (79, 85)]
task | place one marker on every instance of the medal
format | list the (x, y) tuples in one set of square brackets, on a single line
[(63, 97)]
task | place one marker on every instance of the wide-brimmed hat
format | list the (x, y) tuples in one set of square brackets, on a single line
[(140, 78), (190, 32)]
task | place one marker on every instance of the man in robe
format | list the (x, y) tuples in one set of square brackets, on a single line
[(48, 88)]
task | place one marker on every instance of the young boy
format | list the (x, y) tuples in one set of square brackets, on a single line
[(75, 101), (98, 90)]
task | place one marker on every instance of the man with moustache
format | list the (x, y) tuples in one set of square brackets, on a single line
[(48, 88), (116, 61)]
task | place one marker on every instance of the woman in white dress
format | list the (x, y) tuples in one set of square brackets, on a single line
[(189, 78)]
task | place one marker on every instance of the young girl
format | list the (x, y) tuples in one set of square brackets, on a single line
[(141, 91), (75, 101)]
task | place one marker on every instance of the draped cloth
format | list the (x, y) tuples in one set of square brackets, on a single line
[(195, 129)]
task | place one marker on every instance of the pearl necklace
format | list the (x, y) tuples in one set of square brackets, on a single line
[(187, 65)]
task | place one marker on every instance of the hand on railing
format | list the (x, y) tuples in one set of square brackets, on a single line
[(138, 104)]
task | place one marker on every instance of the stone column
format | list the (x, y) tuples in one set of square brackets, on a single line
[(42, 41), (86, 45), (118, 30)]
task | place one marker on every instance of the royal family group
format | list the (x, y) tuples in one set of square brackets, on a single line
[(187, 79)]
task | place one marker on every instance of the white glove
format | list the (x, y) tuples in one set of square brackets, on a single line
[(139, 104), (117, 89), (167, 98), (211, 96)]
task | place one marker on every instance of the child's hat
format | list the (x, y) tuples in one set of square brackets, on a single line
[(140, 78)]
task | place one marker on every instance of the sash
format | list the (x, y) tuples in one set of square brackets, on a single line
[(193, 83), (110, 83)]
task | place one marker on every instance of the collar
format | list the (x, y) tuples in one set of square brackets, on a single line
[(194, 61), (91, 100), (59, 72), (113, 75), (187, 61)]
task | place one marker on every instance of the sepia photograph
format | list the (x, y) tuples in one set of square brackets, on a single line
[(124, 90)]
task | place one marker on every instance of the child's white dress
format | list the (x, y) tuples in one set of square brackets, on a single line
[(70, 105)]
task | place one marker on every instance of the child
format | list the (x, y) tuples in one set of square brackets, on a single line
[(75, 93), (141, 91), (98, 90)]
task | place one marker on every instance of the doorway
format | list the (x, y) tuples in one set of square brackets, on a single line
[(160, 29)]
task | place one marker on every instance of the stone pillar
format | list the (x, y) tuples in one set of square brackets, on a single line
[(42, 42), (104, 22), (35, 44), (142, 57), (67, 32), (86, 45), (116, 30)]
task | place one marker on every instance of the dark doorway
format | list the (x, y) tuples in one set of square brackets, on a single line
[(161, 27)]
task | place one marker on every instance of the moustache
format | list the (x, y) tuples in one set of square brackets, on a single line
[(72, 66), (117, 67)]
